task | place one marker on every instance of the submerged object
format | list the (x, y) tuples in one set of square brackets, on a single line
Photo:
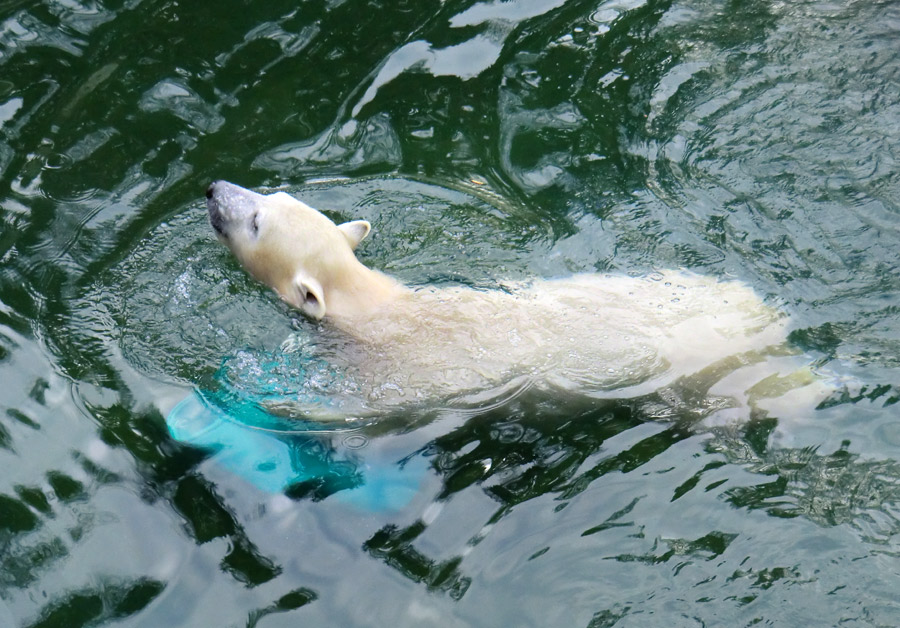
[(280, 452)]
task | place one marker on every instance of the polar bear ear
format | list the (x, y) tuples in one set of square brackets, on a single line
[(355, 231), (309, 296)]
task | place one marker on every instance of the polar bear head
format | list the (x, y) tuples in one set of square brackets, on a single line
[(284, 243)]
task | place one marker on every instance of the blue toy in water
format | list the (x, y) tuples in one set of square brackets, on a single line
[(299, 457)]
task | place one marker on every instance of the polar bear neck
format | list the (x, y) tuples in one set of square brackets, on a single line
[(360, 292)]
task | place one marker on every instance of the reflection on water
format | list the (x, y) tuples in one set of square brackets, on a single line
[(486, 141)]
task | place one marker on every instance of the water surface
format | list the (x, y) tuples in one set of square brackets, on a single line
[(485, 141)]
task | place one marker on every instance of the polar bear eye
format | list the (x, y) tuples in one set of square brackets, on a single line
[(255, 224)]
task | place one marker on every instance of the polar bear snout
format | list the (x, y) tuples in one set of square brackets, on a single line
[(232, 209), (213, 208), (215, 216)]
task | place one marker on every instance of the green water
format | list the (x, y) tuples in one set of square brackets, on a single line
[(755, 140)]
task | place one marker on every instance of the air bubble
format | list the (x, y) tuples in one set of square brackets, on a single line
[(356, 441)]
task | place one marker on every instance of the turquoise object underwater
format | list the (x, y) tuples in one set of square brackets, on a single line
[(298, 457)]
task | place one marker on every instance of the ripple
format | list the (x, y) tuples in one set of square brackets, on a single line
[(498, 11), (178, 304), (507, 139), (9, 109), (353, 146), (176, 97)]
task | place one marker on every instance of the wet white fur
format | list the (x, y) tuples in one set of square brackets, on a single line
[(595, 334)]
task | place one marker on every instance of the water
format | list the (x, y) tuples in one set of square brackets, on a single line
[(484, 141)]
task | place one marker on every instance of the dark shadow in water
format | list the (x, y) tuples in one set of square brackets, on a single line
[(516, 457), (169, 469), (22, 517), (287, 602), (829, 489), (394, 546), (208, 518), (104, 603), (527, 450), (537, 446), (530, 447)]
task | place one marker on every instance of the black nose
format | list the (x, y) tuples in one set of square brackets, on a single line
[(209, 190)]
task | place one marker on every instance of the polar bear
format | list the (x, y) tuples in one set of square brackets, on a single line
[(608, 335)]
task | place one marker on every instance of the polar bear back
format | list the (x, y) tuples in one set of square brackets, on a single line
[(588, 333)]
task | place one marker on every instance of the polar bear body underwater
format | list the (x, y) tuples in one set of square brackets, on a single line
[(592, 334)]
